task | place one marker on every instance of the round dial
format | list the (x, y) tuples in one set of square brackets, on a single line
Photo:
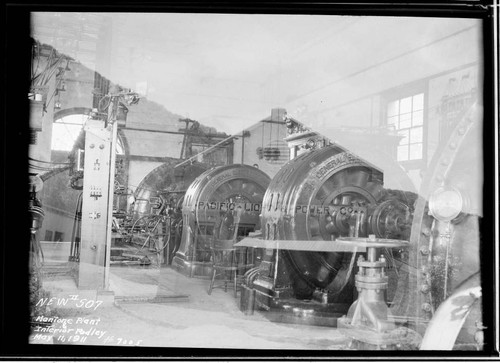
[(445, 204)]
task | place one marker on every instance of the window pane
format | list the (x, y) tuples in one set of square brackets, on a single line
[(393, 108), (416, 134), (405, 137), (48, 235), (64, 136), (403, 153), (393, 121), (418, 118), (415, 151), (405, 121), (405, 106), (418, 102), (76, 119)]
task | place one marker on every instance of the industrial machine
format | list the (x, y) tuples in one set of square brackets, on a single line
[(157, 207), (388, 267), (320, 196), (441, 287), (224, 203), (165, 179)]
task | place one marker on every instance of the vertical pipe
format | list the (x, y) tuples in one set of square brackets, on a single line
[(111, 187), (242, 146), (446, 263), (371, 254)]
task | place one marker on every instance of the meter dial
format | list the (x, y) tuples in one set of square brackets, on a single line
[(446, 203)]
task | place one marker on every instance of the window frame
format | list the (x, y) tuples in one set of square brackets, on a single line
[(399, 93)]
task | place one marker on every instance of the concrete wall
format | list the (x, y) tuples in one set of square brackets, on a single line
[(56, 221), (154, 144), (436, 90), (79, 85)]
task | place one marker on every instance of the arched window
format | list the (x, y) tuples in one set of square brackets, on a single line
[(66, 129)]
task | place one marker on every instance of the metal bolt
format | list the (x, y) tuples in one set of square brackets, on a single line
[(92, 146), (426, 231), (94, 247), (424, 250), (425, 288), (426, 307), (101, 146)]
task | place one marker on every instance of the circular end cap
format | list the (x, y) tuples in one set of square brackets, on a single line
[(35, 182)]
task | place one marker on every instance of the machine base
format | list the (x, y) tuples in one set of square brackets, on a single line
[(399, 338), (192, 268), (291, 310)]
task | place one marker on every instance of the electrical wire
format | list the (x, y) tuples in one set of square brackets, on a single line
[(41, 168), (44, 72), (49, 162), (53, 68), (56, 91)]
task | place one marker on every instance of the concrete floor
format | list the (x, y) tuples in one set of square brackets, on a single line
[(159, 307)]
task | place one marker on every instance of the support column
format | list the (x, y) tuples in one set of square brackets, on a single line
[(97, 198)]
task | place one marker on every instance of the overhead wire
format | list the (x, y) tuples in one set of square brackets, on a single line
[(56, 91), (44, 72)]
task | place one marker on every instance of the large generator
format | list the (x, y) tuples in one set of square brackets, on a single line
[(390, 268), (316, 198), (210, 206), (158, 199)]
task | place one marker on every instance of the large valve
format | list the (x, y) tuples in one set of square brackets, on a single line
[(368, 322), (224, 203)]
